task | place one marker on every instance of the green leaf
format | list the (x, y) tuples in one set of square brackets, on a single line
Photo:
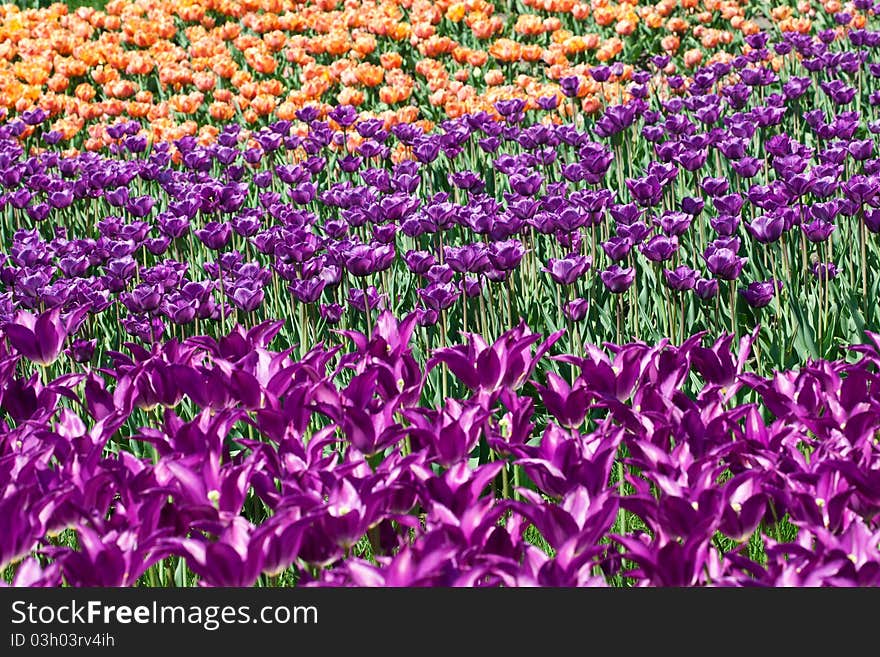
[(804, 341)]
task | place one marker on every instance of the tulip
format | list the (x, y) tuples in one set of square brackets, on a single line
[(706, 288), (439, 296), (724, 263), (818, 230), (681, 278), (659, 248), (40, 338), (766, 228), (617, 248), (824, 271), (214, 235), (576, 309), (760, 293), (82, 351), (566, 271), (618, 279)]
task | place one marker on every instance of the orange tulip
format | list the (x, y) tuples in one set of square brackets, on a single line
[(625, 27), (483, 29), (677, 25), (670, 43), (370, 75), (455, 12), (204, 81), (529, 24), (781, 12), (248, 90), (137, 110), (423, 30), (331, 47), (574, 45), (591, 105), (264, 104), (349, 96), (494, 77), (286, 111), (92, 144), (832, 6), (580, 11), (477, 58), (505, 50), (653, 20), (275, 40), (604, 16), (389, 95), (390, 60), (804, 7), (532, 53), (120, 89), (693, 57), (455, 109), (57, 83)]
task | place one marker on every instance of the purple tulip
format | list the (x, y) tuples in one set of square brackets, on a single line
[(861, 150), (730, 204), (659, 248), (439, 296), (526, 184), (760, 293), (246, 297), (626, 214), (618, 279), (140, 206), (617, 248), (860, 189), (214, 235), (818, 230), (308, 290), (81, 350), (766, 228), (647, 192), (675, 223), (331, 313), (692, 206), (566, 271), (681, 278), (706, 288), (344, 115), (692, 160), (506, 255), (724, 263), (359, 299), (725, 225), (615, 119), (576, 309), (451, 433), (365, 259), (824, 271), (872, 220), (40, 338)]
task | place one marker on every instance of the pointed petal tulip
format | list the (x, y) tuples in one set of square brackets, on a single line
[(40, 338)]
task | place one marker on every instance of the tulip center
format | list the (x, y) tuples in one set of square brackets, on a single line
[(214, 497)]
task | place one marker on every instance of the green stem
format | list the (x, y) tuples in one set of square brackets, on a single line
[(733, 328)]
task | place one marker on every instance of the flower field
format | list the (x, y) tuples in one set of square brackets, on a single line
[(417, 293)]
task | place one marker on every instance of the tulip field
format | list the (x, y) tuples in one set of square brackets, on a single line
[(433, 293)]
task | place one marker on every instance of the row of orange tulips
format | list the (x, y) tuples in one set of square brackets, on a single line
[(182, 67)]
